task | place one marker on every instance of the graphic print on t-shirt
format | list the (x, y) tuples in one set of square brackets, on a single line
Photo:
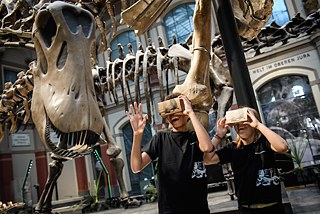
[(199, 170), (267, 177)]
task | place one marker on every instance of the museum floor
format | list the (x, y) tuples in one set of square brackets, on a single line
[(302, 199)]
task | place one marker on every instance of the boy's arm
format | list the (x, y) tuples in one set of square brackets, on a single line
[(212, 157), (202, 134), (138, 160)]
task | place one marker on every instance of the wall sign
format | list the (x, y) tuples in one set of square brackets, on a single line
[(20, 140), (295, 60)]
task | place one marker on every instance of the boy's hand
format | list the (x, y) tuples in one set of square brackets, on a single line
[(187, 105), (137, 121)]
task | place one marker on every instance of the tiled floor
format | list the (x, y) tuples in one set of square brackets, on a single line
[(303, 200)]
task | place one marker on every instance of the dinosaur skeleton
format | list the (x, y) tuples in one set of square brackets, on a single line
[(17, 17), (62, 34), (60, 29), (15, 102), (176, 57), (67, 38), (251, 15)]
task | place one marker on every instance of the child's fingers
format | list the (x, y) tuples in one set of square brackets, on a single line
[(140, 109), (132, 110), (128, 115), (136, 108), (145, 118)]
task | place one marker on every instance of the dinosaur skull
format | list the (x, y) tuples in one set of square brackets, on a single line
[(64, 94)]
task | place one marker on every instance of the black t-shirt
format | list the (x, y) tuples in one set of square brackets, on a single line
[(255, 175), (182, 179)]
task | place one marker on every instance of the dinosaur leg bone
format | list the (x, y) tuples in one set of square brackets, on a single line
[(113, 150), (118, 165), (44, 204), (195, 86)]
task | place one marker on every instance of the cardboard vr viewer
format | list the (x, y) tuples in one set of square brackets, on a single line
[(171, 106), (236, 116)]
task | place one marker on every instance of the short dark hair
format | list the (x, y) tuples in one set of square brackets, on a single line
[(172, 95)]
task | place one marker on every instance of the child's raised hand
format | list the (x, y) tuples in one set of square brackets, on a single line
[(187, 104), (221, 127), (137, 120), (252, 120)]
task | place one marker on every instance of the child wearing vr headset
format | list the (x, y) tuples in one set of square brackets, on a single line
[(181, 177), (257, 182)]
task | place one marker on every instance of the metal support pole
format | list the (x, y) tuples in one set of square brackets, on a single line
[(105, 171), (25, 180), (237, 66), (234, 52)]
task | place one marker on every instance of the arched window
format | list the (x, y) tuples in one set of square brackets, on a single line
[(123, 38), (289, 108), (279, 13), (179, 22), (140, 179), (295, 93)]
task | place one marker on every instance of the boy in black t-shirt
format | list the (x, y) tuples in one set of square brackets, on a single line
[(182, 182), (256, 179)]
